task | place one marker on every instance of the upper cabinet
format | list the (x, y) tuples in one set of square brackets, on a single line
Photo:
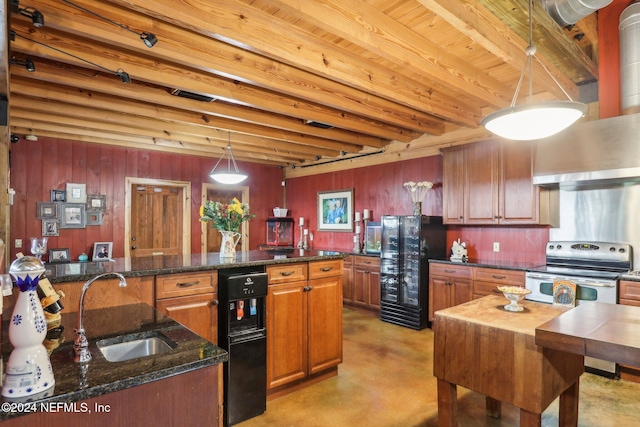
[(491, 182)]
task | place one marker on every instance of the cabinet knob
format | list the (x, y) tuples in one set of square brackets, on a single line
[(286, 273), (460, 217), (326, 269), (215, 302)]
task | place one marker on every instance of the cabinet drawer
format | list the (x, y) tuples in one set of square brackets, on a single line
[(485, 288), (286, 273), (320, 269), (499, 277), (367, 261), (629, 290), (182, 284), (450, 270)]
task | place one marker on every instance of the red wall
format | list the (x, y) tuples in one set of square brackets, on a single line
[(379, 189), (48, 164)]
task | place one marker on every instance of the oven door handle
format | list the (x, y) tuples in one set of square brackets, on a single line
[(596, 285)]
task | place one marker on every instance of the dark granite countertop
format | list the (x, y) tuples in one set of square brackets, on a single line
[(168, 264), (99, 376), (503, 265)]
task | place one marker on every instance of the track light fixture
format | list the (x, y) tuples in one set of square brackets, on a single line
[(149, 39), (26, 63), (36, 17), (119, 72)]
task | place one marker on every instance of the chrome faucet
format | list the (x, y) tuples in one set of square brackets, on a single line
[(81, 345)]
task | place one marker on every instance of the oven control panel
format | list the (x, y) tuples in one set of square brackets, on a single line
[(589, 250)]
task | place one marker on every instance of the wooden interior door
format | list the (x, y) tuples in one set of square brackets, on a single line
[(156, 220), (214, 238)]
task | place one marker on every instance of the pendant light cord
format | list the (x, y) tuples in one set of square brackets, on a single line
[(531, 51)]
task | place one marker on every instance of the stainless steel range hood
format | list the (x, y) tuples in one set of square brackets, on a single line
[(599, 152)]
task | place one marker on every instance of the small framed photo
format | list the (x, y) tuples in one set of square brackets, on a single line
[(94, 218), (76, 193), (96, 202), (102, 251), (59, 255), (50, 227), (335, 210), (58, 196), (73, 215), (46, 210)]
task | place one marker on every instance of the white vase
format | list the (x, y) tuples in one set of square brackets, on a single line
[(28, 369), (228, 245)]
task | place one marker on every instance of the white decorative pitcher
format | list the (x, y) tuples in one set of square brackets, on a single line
[(228, 245)]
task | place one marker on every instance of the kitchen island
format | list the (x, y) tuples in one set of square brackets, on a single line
[(179, 387), (481, 346)]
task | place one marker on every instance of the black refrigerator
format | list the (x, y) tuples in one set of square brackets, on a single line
[(407, 244)]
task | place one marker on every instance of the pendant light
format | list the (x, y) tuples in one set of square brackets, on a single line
[(534, 120), (229, 176)]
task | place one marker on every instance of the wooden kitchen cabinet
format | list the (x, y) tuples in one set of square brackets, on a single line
[(492, 183), (304, 322), (449, 285), (487, 280), (347, 280), (366, 282), (192, 300), (630, 295)]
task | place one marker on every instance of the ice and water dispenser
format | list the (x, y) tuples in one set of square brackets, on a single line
[(242, 332)]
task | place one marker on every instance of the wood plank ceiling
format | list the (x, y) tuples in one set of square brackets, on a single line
[(391, 77)]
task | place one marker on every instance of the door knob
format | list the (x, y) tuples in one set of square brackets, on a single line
[(133, 248)]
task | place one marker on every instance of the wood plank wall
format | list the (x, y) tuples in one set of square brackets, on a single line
[(48, 164), (379, 189)]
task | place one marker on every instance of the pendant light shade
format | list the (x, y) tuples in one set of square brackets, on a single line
[(229, 176), (533, 120)]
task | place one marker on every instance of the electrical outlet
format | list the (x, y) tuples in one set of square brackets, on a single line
[(496, 246), (18, 244)]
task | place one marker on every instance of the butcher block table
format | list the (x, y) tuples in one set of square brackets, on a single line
[(481, 346), (603, 331)]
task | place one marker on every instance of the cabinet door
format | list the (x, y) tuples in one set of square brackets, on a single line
[(360, 285), (461, 292), (324, 323), (286, 333), (519, 202), (481, 184), (374, 288), (438, 294), (453, 169), (347, 281), (198, 313)]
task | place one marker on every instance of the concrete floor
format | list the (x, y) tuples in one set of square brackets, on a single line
[(387, 380)]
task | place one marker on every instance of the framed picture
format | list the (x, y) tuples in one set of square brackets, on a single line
[(102, 251), (335, 210), (76, 193), (73, 215), (50, 227), (58, 196), (46, 210), (59, 255), (96, 202), (94, 218)]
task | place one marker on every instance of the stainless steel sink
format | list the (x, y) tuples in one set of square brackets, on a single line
[(135, 346)]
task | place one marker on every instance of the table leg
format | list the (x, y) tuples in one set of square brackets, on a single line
[(568, 413), (529, 419), (447, 404), (494, 407)]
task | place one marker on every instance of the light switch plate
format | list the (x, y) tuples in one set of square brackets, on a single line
[(496, 246)]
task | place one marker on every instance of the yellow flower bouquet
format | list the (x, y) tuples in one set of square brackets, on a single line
[(225, 217)]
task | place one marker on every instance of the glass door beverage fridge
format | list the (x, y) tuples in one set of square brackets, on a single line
[(407, 244)]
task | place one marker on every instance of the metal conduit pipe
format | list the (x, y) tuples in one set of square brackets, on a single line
[(568, 12), (629, 28)]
